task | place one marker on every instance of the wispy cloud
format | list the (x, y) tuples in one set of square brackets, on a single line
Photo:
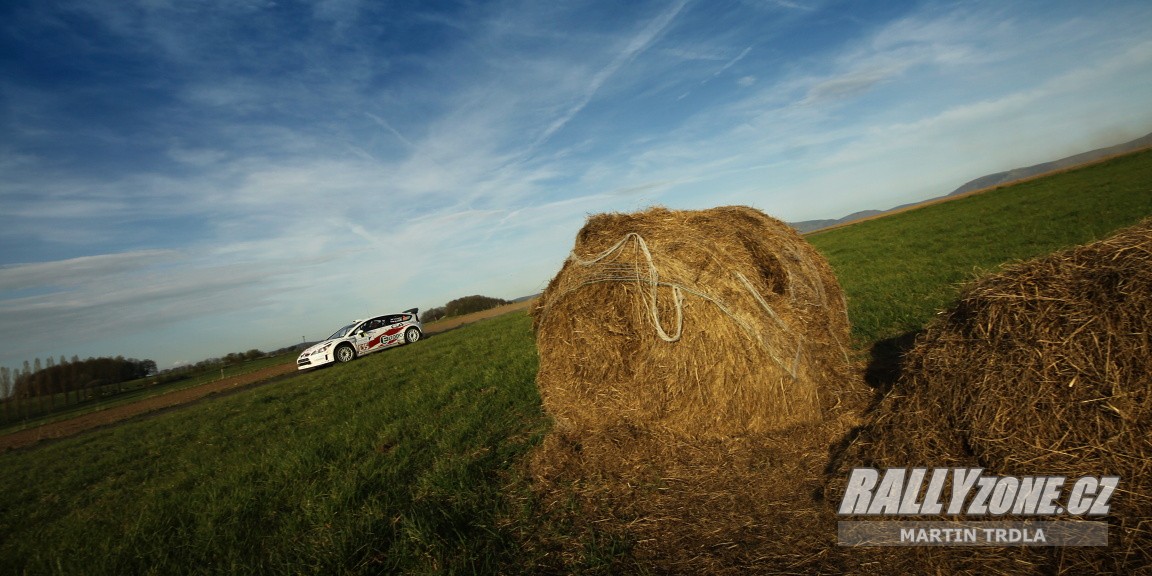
[(81, 300), (635, 46), (792, 5), (384, 124), (733, 61), (73, 272)]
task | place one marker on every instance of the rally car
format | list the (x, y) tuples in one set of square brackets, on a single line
[(364, 337)]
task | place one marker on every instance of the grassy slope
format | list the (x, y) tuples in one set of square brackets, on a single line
[(898, 270), (38, 411), (396, 462), (407, 461)]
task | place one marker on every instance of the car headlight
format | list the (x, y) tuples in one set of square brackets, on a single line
[(322, 349)]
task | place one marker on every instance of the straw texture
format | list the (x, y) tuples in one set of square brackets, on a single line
[(1044, 368), (704, 323)]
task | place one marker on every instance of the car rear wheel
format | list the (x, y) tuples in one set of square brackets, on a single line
[(344, 353), (411, 335)]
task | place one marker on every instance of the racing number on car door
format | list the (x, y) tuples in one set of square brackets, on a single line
[(371, 338)]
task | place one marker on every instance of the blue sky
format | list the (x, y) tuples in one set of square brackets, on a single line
[(180, 180)]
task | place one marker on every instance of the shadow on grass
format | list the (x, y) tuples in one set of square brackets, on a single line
[(882, 373), (886, 365)]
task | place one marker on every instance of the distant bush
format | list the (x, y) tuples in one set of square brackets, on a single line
[(169, 377), (233, 358), (462, 306)]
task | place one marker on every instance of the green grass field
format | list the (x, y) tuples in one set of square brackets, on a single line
[(401, 461), (411, 461), (898, 270), (42, 410)]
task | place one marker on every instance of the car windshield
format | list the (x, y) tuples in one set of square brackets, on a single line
[(341, 332)]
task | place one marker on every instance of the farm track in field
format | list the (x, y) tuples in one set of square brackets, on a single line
[(179, 398)]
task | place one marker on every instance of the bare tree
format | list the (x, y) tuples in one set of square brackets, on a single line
[(5, 388)]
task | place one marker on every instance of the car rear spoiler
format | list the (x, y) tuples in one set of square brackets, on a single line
[(413, 311)]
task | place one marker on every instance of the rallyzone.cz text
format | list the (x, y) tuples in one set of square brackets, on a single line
[(912, 491)]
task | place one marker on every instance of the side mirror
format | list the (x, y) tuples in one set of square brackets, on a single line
[(360, 334)]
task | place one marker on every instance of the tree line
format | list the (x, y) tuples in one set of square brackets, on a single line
[(52, 377), (45, 386), (49, 377), (462, 306)]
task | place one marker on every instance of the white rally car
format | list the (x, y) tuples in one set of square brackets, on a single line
[(364, 337)]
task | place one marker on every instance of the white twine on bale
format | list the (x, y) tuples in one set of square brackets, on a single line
[(772, 314), (629, 272), (811, 272), (653, 283)]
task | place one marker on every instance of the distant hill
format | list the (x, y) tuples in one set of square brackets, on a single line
[(992, 180), (1063, 164), (812, 225)]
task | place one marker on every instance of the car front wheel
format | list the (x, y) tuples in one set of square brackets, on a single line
[(411, 335), (345, 353)]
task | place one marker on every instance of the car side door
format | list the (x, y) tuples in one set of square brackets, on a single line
[(368, 335)]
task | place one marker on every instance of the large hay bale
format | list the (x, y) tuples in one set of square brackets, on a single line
[(1044, 368), (705, 323)]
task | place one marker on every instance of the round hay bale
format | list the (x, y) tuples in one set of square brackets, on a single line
[(1044, 368), (707, 323)]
